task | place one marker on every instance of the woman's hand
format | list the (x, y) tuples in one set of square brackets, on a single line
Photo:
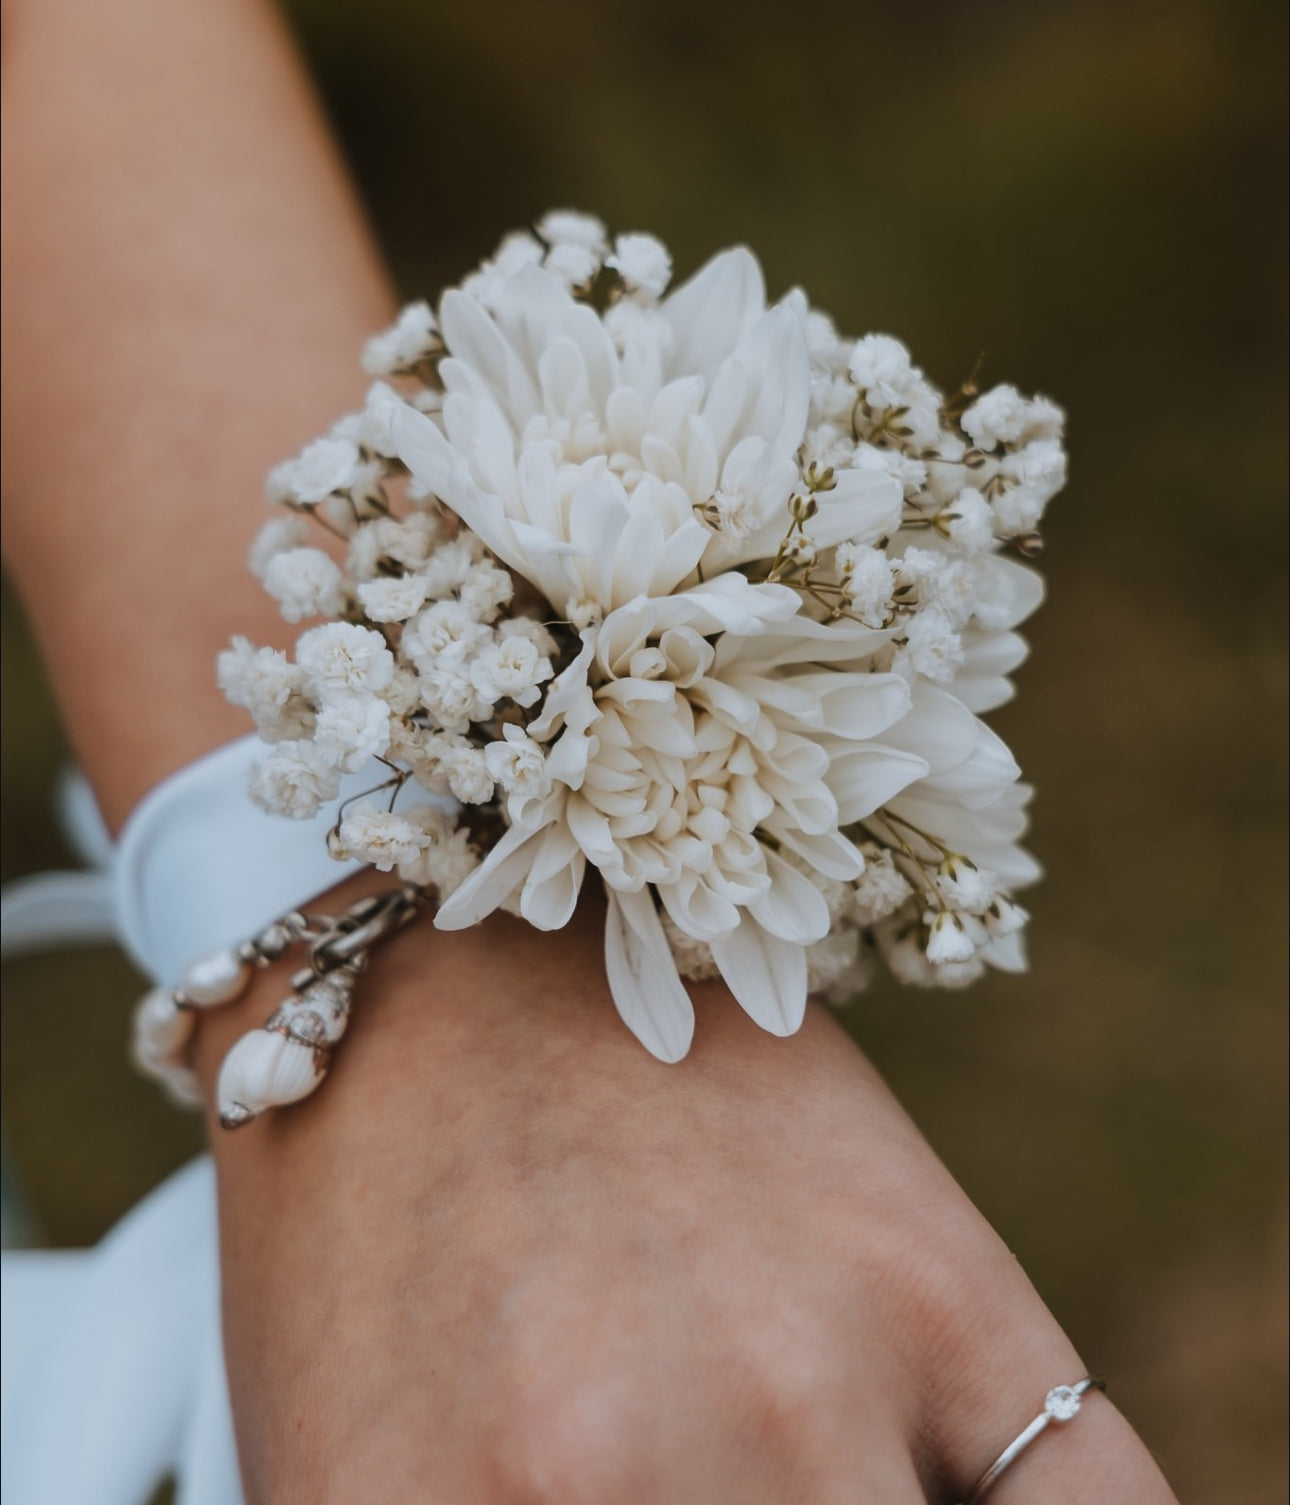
[(505, 1255)]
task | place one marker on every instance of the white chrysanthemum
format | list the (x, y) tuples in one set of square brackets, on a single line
[(584, 467), (681, 771), (1007, 592), (304, 583), (383, 838)]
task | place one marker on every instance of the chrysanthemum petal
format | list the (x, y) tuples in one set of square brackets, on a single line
[(867, 777), (766, 975), (710, 312), (792, 908), (493, 881), (643, 980)]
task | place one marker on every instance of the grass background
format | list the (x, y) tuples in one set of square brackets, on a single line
[(1094, 193)]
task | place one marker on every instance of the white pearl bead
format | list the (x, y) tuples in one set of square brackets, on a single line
[(217, 978), (160, 1030)]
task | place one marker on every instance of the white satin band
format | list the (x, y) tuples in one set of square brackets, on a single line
[(198, 867)]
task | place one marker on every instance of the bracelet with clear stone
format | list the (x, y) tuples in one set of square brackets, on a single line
[(287, 1057)]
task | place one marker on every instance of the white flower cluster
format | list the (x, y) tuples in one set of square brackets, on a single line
[(678, 585)]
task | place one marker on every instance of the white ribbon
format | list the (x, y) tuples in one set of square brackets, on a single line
[(198, 867)]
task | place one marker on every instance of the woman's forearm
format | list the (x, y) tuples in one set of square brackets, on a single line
[(504, 1253), (188, 285)]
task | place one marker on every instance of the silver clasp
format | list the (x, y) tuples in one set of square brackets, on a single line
[(344, 940)]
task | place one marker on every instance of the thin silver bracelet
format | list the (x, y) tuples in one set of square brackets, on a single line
[(1061, 1404)]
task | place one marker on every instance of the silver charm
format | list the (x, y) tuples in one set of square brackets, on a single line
[(288, 1056)]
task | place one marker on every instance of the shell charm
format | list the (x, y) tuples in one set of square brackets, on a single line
[(286, 1059)]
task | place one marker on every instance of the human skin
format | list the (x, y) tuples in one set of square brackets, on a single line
[(503, 1255)]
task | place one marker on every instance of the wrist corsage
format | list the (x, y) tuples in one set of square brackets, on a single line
[(681, 587)]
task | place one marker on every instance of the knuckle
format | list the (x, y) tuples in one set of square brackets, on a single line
[(783, 1366), (791, 1375), (941, 1285), (567, 1435), (953, 1305)]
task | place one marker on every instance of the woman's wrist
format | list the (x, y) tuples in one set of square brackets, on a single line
[(429, 1000)]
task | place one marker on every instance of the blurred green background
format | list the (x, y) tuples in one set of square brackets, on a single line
[(1094, 194)]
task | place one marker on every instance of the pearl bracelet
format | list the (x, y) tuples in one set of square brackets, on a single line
[(286, 1058)]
